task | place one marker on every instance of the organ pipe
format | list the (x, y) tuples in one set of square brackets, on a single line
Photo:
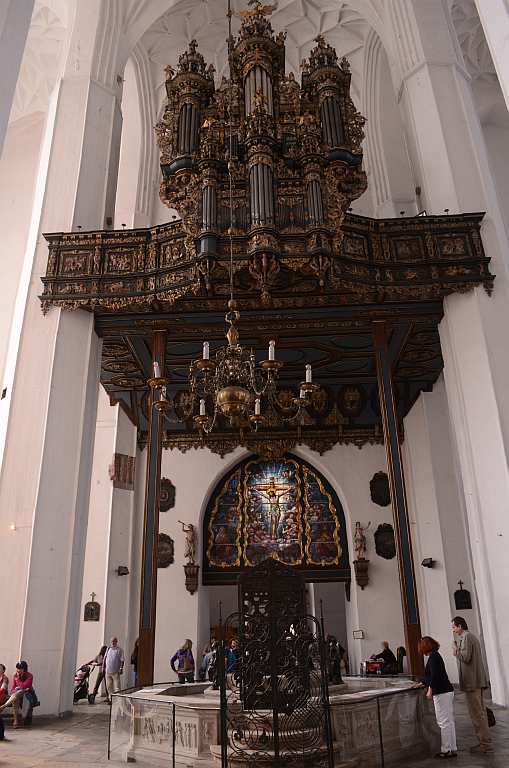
[(332, 125), (315, 203), (261, 195), (209, 208), (258, 81), (188, 129)]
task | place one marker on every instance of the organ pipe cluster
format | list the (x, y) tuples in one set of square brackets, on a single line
[(293, 151)]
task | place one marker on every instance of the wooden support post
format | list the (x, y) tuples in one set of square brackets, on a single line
[(398, 498), (148, 592)]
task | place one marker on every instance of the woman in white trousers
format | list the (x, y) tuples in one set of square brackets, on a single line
[(439, 688)]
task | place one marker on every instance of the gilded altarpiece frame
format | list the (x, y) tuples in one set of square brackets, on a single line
[(283, 510)]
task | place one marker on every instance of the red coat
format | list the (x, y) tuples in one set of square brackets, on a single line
[(25, 684)]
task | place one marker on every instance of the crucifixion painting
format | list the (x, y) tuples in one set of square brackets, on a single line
[(273, 513), (277, 509)]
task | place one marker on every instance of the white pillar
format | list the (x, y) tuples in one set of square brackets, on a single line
[(55, 559), (15, 16), (117, 619), (45, 479), (494, 17), (483, 461), (450, 154), (437, 516)]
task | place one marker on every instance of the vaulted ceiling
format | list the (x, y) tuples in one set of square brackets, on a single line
[(163, 28)]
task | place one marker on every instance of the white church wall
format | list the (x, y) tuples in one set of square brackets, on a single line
[(117, 613), (194, 474), (130, 152), (376, 609), (438, 520), (91, 633), (109, 539), (390, 178), (496, 137)]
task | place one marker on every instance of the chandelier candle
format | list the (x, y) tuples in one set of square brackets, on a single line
[(206, 350), (272, 349), (309, 375), (202, 408), (257, 406), (157, 370)]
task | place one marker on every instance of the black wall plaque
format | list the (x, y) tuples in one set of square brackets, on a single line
[(92, 611), (166, 495), (379, 488), (462, 600), (385, 545)]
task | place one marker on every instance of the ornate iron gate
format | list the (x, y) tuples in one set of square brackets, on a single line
[(274, 694)]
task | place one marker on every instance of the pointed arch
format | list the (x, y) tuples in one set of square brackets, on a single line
[(282, 509), (148, 171), (388, 164)]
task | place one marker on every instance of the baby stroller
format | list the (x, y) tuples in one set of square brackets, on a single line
[(81, 678)]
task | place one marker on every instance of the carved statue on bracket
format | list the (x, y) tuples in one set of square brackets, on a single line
[(359, 540), (190, 549), (360, 563), (191, 569)]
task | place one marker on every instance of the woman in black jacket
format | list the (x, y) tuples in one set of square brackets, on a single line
[(442, 693)]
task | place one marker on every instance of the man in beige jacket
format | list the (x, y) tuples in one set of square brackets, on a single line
[(473, 680)]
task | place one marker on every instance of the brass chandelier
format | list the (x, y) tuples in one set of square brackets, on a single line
[(234, 383), (237, 385)]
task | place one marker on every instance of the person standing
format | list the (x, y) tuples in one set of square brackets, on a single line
[(113, 666), (232, 657), (473, 680), (98, 662), (439, 689), (185, 662)]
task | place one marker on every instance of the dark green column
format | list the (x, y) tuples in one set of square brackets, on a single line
[(398, 497), (148, 592)]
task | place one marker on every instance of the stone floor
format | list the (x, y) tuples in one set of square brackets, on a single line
[(81, 741)]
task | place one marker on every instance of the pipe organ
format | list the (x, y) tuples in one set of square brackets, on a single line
[(293, 151)]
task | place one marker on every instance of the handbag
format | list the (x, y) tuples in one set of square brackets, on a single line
[(32, 699), (491, 717)]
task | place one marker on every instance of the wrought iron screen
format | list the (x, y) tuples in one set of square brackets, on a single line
[(274, 695)]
